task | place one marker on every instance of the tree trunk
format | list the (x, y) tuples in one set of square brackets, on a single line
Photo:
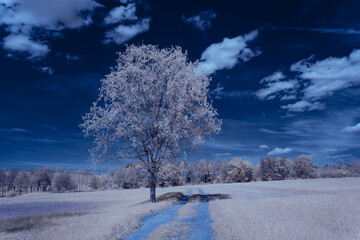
[(152, 187)]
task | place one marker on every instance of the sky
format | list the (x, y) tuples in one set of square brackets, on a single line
[(285, 74)]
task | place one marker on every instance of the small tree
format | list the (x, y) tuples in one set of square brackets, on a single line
[(267, 169), (41, 178), (152, 105), (11, 178), (21, 181), (169, 175), (3, 183), (304, 167), (62, 182), (94, 182)]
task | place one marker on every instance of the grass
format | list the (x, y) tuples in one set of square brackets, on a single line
[(295, 209), (28, 223), (298, 209), (106, 212)]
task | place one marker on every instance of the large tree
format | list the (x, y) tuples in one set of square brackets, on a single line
[(153, 104)]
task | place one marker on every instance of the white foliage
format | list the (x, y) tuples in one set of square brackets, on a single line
[(150, 106)]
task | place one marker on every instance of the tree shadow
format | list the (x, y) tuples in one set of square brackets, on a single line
[(208, 197), (28, 223)]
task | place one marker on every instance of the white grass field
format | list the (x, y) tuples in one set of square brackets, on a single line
[(292, 209)]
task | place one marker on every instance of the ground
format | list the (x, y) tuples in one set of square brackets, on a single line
[(291, 209)]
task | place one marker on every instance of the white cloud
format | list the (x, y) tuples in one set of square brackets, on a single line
[(339, 156), (70, 57), (13, 130), (226, 54), (352, 129), (302, 106), (121, 13), (221, 154), (129, 25), (329, 75), (279, 151), (276, 76), (201, 21), (22, 18), (123, 33), (263, 146), (50, 15), (342, 31), (316, 80), (288, 97), (274, 87), (47, 70), (22, 43)]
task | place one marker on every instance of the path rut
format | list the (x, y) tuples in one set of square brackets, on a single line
[(199, 225)]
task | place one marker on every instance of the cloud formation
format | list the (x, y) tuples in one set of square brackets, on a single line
[(13, 130), (352, 129), (121, 13), (263, 146), (342, 31), (129, 25), (123, 33), (302, 106), (201, 21), (315, 81), (274, 87), (226, 54), (23, 19), (23, 43), (279, 151), (329, 75), (276, 76)]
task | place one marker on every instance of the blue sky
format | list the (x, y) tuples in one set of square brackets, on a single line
[(286, 74)]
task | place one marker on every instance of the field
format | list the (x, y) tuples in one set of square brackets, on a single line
[(291, 209)]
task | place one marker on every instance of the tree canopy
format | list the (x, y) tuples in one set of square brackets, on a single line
[(153, 104)]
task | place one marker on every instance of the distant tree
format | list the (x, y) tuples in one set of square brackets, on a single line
[(220, 169), (41, 178), (134, 176), (21, 181), (200, 172), (236, 171), (240, 170), (257, 172), (249, 171), (82, 179), (205, 171), (185, 176), (13, 172), (94, 182), (152, 105), (119, 176), (304, 167), (355, 167), (3, 183), (169, 175), (267, 169), (339, 163), (63, 182), (281, 166)]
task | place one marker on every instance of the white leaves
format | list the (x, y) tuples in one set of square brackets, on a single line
[(153, 102)]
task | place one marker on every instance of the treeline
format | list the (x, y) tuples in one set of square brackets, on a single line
[(15, 181), (237, 170), (134, 175)]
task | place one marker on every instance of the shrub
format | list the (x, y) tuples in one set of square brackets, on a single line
[(11, 194)]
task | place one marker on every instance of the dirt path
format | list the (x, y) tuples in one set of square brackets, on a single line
[(200, 224), (166, 224)]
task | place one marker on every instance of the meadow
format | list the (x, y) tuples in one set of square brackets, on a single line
[(290, 209)]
